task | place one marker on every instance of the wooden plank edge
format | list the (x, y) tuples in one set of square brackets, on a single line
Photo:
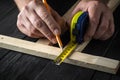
[(45, 51), (112, 4), (95, 62)]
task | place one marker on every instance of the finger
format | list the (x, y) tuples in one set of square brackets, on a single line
[(21, 27), (46, 31), (41, 26), (20, 24), (31, 34), (103, 26), (34, 32), (22, 17), (105, 36), (30, 19), (109, 32), (30, 23), (28, 28), (48, 19), (94, 17)]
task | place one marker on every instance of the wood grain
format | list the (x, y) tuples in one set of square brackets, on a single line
[(77, 58)]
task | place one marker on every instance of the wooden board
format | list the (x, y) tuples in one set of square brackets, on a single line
[(77, 58), (113, 4)]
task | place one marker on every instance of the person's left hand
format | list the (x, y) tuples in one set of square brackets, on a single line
[(101, 23)]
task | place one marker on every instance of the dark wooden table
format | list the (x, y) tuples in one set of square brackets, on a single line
[(19, 66)]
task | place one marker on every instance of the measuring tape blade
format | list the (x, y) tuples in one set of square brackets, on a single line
[(73, 43), (65, 53)]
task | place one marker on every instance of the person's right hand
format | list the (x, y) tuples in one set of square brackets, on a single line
[(35, 21)]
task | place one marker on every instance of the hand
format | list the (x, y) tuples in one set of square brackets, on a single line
[(101, 24), (35, 21)]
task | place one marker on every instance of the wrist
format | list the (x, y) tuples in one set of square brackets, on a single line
[(21, 3)]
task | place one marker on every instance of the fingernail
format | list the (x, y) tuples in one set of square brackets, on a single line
[(54, 40), (56, 31)]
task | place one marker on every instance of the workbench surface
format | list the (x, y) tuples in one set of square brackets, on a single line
[(19, 66)]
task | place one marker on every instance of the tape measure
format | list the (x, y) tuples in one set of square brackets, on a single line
[(78, 27)]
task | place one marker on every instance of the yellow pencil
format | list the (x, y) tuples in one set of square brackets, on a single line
[(59, 41), (57, 36), (46, 5)]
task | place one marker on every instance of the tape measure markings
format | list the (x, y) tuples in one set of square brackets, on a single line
[(72, 44)]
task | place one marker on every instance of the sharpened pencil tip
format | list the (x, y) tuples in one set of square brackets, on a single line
[(61, 49), (59, 41)]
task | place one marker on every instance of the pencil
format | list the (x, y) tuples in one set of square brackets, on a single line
[(59, 41), (46, 5), (57, 36)]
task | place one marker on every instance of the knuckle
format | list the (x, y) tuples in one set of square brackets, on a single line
[(36, 2), (48, 35), (26, 10), (45, 16), (38, 23), (19, 24), (52, 26), (30, 34), (26, 7), (34, 30)]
